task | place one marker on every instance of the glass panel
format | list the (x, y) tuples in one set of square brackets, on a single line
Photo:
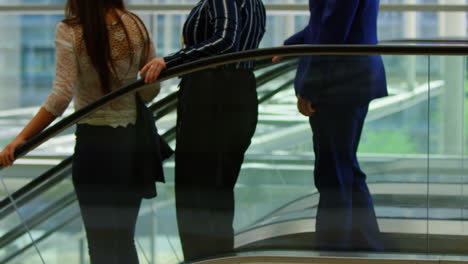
[(276, 168), (39, 213), (157, 234), (393, 150), (447, 169), (276, 184), (30, 256), (9, 222), (60, 237)]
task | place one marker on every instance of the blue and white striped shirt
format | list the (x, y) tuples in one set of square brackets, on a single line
[(216, 27)]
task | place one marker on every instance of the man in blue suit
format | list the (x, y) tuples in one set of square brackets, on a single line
[(335, 92)]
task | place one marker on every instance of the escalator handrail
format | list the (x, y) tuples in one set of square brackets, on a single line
[(229, 58), (36, 187), (159, 108), (41, 217), (294, 50), (42, 237), (234, 57)]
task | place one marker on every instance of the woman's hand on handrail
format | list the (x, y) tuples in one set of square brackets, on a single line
[(7, 156), (41, 120), (152, 69)]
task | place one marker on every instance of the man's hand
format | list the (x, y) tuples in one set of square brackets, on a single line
[(276, 59), (152, 69), (305, 106)]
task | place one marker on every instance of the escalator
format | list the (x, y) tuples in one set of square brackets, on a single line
[(50, 217), (39, 213)]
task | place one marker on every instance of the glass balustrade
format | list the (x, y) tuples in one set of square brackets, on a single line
[(414, 150)]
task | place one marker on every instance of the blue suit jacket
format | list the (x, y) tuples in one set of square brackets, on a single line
[(340, 79)]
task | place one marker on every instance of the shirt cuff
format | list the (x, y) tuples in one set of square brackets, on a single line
[(172, 61)]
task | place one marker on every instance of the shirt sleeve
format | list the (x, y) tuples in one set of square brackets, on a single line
[(150, 91), (296, 39), (336, 21), (225, 16), (66, 71)]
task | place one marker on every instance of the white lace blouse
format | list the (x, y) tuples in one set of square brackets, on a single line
[(76, 77)]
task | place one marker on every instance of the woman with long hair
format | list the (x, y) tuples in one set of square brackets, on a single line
[(100, 46)]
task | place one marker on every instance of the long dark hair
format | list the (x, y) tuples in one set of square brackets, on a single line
[(91, 15)]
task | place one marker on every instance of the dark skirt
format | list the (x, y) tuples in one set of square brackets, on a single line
[(104, 159)]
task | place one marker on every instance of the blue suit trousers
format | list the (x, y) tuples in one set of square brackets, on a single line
[(345, 217)]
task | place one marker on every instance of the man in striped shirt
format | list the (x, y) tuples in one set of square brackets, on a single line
[(216, 118)]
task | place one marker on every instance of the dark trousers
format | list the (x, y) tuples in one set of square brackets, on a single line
[(102, 176), (345, 218), (217, 116)]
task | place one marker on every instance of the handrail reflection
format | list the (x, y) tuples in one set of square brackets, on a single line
[(295, 50)]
